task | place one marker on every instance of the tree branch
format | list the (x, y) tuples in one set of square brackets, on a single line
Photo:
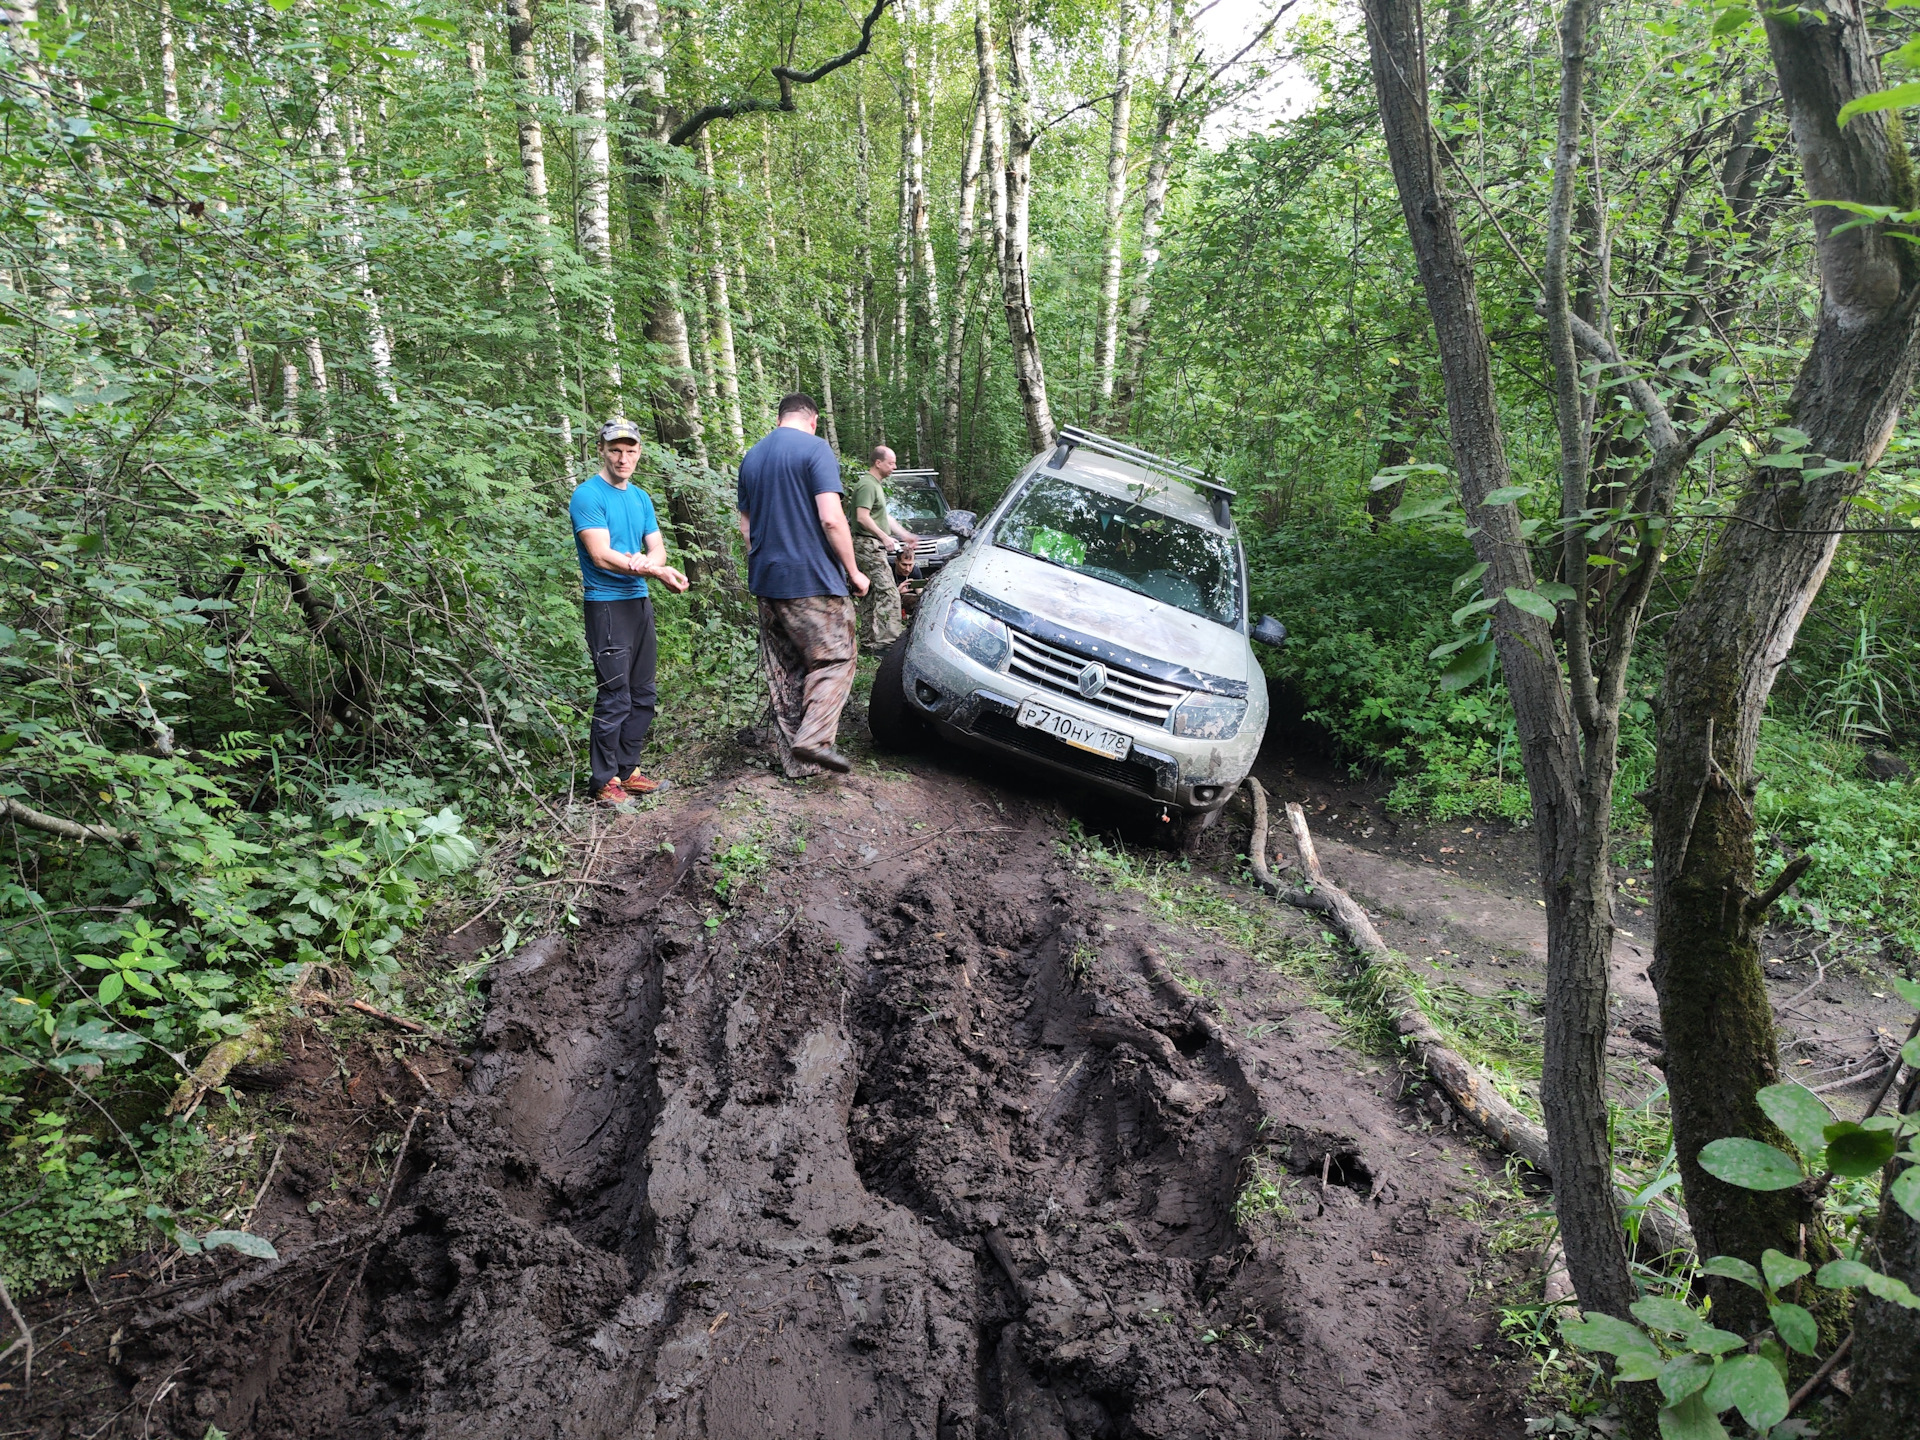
[(33, 819), (786, 77)]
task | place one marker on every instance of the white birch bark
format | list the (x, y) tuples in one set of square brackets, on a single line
[(1153, 201), (594, 220), (333, 145), (477, 72), (1017, 280), (1107, 326), (719, 302), (533, 170), (926, 289), (169, 71), (678, 418), (873, 428), (951, 376)]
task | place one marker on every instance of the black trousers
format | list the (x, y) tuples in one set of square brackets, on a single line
[(621, 641)]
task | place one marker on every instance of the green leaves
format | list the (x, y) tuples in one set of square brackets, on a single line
[(1800, 1113), (1895, 98), (1750, 1164), (1690, 1420), (1795, 1326), (257, 1246), (1782, 1270), (1854, 1151), (1469, 667), (1729, 1268), (1749, 1384), (1530, 601)]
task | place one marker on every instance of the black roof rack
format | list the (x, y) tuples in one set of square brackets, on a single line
[(1072, 438)]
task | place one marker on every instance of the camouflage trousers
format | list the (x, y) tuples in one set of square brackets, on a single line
[(879, 608), (807, 649)]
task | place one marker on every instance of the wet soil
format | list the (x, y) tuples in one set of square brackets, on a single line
[(912, 1132), (1462, 901)]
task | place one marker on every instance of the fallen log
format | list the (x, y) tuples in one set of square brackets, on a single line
[(1472, 1094)]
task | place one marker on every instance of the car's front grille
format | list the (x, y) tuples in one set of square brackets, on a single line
[(1134, 696), (1005, 730)]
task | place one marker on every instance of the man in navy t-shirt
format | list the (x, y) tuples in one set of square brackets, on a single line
[(617, 538), (799, 565)]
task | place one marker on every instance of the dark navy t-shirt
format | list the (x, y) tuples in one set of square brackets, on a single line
[(787, 556)]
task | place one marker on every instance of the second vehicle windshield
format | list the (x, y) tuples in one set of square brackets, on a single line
[(1126, 544), (919, 510)]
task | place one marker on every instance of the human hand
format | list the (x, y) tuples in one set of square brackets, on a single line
[(860, 583), (674, 579)]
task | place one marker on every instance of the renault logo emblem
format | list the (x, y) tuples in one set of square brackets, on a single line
[(1091, 680)]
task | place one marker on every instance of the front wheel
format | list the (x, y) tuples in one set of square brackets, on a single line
[(1185, 827), (895, 725)]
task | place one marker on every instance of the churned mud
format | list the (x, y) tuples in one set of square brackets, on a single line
[(915, 1132)]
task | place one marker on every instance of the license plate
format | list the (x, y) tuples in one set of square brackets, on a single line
[(1077, 733)]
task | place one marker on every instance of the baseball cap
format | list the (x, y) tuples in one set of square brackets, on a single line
[(619, 430)]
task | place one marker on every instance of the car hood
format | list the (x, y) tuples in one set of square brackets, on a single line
[(1110, 613)]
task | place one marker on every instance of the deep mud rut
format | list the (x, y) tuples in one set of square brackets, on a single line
[(918, 1136)]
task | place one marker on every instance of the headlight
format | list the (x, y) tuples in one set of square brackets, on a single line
[(1209, 717), (977, 635), (945, 545)]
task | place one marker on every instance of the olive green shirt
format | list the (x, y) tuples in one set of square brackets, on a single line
[(865, 493)]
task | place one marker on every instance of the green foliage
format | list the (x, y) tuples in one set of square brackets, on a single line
[(735, 865)]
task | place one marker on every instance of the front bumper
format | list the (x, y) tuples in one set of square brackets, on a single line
[(973, 706)]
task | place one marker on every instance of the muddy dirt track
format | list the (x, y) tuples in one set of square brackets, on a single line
[(918, 1136)]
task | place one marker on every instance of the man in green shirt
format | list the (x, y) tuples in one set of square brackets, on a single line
[(877, 538)]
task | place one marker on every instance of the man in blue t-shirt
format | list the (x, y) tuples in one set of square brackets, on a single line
[(617, 537), (799, 565)]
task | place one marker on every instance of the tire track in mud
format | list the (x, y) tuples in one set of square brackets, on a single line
[(739, 1181)]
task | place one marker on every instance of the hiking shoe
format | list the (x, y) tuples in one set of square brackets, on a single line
[(825, 756), (612, 793), (636, 783)]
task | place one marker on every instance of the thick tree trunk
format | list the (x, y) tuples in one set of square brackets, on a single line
[(533, 168), (1106, 333), (1153, 200), (169, 70), (1571, 854), (951, 352), (334, 145), (1015, 267), (593, 157), (1735, 631)]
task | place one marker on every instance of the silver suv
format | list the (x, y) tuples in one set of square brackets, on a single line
[(1096, 624)]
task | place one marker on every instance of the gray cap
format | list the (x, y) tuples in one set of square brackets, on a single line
[(619, 430)]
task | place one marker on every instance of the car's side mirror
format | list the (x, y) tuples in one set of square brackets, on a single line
[(960, 522), (1270, 631)]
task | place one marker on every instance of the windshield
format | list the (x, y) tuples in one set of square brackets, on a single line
[(917, 508), (1126, 544)]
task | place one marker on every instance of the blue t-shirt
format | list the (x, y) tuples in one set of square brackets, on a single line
[(788, 556), (627, 517)]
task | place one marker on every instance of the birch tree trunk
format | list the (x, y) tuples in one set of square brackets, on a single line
[(951, 352), (593, 223), (928, 363), (1729, 642), (1016, 276), (814, 320), (873, 426), (533, 169), (675, 403), (1153, 199), (719, 302), (334, 146), (1107, 326), (477, 72), (1015, 263), (169, 71), (897, 361)]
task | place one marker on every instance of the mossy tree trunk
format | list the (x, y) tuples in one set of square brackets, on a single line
[(1739, 623)]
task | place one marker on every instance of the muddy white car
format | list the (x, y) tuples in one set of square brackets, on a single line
[(1096, 624)]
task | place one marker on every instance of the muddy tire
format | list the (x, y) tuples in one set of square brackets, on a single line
[(895, 725), (1187, 826)]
